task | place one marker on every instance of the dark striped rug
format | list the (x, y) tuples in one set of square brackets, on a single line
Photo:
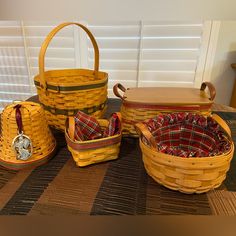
[(119, 187)]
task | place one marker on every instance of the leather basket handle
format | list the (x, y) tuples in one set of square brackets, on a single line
[(142, 130), (211, 88), (116, 92), (48, 39)]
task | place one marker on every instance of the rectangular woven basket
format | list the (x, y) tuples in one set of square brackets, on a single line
[(187, 175), (63, 92), (139, 104), (92, 151)]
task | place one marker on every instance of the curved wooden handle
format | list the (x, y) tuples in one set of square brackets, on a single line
[(116, 92), (71, 128), (143, 130), (48, 40), (211, 88), (222, 123)]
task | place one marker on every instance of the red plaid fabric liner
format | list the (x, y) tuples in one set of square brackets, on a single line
[(114, 126), (188, 135), (88, 128)]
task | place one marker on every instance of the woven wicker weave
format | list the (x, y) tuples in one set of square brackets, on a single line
[(134, 110), (64, 92), (93, 151), (187, 175), (35, 126)]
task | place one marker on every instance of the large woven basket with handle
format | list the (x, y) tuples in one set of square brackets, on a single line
[(33, 145), (186, 174), (63, 92), (139, 104)]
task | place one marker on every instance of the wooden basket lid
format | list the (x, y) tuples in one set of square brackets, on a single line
[(168, 95)]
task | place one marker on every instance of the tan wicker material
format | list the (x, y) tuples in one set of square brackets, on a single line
[(63, 92), (35, 126), (92, 151), (187, 175), (140, 104)]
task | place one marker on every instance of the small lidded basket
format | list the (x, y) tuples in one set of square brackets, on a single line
[(139, 104), (187, 152), (26, 139)]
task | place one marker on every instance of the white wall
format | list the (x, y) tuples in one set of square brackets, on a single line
[(117, 9), (223, 75)]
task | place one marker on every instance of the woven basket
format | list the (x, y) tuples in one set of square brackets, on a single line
[(139, 104), (35, 126), (187, 175), (63, 92), (92, 151)]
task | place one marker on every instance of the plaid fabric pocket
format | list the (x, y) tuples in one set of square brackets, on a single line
[(114, 126), (86, 127)]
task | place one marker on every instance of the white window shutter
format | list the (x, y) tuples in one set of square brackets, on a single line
[(119, 51), (133, 53), (169, 54), (14, 80)]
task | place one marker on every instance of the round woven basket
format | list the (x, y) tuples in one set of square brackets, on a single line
[(35, 126), (187, 175)]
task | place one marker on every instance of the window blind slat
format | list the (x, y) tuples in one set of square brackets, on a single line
[(173, 31), (55, 62), (184, 76), (168, 65), (53, 52), (171, 43)]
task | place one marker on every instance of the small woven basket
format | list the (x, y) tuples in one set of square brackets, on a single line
[(187, 175), (139, 104), (92, 151), (35, 126), (63, 92)]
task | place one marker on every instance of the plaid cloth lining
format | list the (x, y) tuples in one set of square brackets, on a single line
[(113, 127), (188, 135), (88, 128)]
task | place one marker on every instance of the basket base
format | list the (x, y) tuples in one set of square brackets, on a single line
[(24, 165)]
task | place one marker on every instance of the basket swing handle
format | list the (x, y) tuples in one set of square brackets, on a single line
[(71, 127), (222, 123), (211, 88), (116, 92), (48, 39), (142, 130)]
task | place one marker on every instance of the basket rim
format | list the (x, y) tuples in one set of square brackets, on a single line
[(93, 140), (190, 159), (102, 75), (92, 144)]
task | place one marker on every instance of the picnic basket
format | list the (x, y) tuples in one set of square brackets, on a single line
[(185, 174), (139, 104), (92, 151), (63, 92), (34, 126)]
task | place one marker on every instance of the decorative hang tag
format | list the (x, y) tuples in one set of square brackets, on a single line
[(21, 144)]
